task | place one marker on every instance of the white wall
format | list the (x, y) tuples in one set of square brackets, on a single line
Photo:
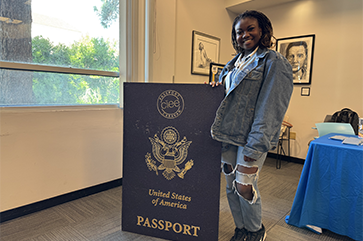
[(48, 152), (162, 42)]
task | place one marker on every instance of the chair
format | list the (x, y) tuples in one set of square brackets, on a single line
[(284, 136), (332, 127)]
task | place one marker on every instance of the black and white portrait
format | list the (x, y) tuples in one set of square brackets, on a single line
[(205, 50), (299, 52)]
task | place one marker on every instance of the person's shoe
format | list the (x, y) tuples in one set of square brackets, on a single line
[(239, 234), (260, 235)]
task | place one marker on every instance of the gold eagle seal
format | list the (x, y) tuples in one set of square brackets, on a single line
[(170, 152)]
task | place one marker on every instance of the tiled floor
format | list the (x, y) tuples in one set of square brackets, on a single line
[(98, 217)]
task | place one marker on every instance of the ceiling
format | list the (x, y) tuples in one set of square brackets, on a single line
[(255, 4)]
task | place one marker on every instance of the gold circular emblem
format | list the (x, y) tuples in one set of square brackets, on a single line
[(170, 135), (170, 104)]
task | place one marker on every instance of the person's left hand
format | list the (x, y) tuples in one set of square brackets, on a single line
[(213, 84), (249, 159)]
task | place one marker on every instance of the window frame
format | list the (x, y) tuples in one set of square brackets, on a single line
[(54, 69), (17, 66), (132, 42)]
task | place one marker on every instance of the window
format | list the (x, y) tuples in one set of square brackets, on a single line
[(63, 52)]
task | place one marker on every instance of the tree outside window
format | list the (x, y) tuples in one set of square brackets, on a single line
[(32, 38)]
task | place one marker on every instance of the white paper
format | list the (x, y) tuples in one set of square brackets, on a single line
[(341, 138), (315, 229), (353, 141)]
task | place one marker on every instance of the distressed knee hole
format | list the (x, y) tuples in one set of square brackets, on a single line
[(244, 185), (247, 169), (245, 179), (247, 192), (227, 168)]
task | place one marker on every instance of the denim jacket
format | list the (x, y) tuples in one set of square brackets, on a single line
[(252, 111)]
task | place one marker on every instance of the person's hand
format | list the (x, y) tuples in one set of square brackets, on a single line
[(248, 159), (213, 84)]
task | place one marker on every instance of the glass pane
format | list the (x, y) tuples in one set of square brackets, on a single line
[(60, 32), (68, 33), (39, 88)]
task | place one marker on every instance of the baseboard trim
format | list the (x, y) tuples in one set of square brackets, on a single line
[(286, 158), (54, 201)]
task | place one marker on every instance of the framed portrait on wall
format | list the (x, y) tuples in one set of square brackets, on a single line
[(299, 51), (215, 71), (205, 50)]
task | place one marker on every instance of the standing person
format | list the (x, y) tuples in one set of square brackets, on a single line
[(258, 84)]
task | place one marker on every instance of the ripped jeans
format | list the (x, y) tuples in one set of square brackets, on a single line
[(246, 213)]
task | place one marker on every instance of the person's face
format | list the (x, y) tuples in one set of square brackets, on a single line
[(248, 33), (297, 57)]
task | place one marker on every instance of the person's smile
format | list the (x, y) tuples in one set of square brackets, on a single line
[(248, 43)]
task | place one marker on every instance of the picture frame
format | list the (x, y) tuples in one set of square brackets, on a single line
[(305, 91), (215, 70), (205, 50), (299, 51)]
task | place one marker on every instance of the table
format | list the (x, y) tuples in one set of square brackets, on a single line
[(329, 194)]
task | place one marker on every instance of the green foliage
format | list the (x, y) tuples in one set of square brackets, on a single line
[(108, 13), (71, 89), (44, 52)]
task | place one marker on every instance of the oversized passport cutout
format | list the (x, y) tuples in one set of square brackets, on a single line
[(171, 165)]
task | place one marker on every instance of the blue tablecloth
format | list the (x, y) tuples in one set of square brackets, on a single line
[(329, 194)]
